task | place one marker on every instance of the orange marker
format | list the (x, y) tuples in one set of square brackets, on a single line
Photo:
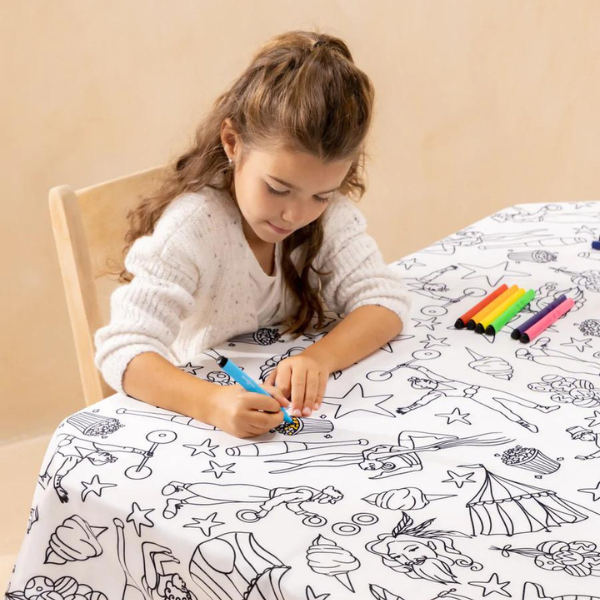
[(482, 326), (490, 307), (464, 319)]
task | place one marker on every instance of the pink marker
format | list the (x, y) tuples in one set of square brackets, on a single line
[(550, 318)]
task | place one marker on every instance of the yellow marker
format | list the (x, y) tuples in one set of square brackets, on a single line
[(504, 306), (484, 312)]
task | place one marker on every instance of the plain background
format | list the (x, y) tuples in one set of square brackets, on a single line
[(480, 104)]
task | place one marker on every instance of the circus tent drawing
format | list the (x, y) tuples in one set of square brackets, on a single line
[(506, 507)]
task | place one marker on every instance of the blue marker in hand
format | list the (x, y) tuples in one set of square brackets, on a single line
[(246, 382)]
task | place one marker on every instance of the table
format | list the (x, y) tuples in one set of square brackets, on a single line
[(446, 465)]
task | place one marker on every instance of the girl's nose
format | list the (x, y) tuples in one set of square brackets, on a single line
[(292, 213)]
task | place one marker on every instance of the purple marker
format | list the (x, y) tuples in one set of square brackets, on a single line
[(518, 332)]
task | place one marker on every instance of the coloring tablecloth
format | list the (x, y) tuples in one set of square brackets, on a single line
[(446, 465)]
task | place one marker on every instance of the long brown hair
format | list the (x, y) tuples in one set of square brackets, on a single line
[(301, 92)]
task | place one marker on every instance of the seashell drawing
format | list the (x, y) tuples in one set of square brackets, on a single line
[(408, 498), (74, 540)]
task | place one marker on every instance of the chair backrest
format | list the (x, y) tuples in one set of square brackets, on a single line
[(89, 230)]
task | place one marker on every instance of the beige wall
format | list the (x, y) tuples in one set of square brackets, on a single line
[(480, 105)]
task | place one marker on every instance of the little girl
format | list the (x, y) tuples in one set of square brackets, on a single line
[(253, 227)]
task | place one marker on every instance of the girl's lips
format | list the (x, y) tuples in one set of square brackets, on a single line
[(278, 229)]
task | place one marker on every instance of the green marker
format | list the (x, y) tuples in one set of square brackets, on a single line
[(494, 327)]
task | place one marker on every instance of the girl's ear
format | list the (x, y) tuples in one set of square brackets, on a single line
[(228, 137)]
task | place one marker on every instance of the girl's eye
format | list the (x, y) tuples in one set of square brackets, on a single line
[(277, 193)]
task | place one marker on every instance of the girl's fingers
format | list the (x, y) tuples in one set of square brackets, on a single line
[(277, 394), (283, 379), (258, 401), (310, 396), (321, 392), (271, 378), (298, 391)]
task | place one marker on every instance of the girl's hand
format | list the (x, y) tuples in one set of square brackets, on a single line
[(304, 379), (246, 414)]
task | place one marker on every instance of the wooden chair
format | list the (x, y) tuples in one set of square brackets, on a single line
[(89, 230)]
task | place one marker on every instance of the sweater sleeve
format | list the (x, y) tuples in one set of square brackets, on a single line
[(146, 313), (359, 276)]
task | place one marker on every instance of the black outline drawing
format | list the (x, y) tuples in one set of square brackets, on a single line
[(492, 585), (208, 494), (345, 529), (139, 517), (95, 486), (34, 517), (416, 355), (305, 425), (585, 435), (420, 553), (507, 507), (389, 460), (325, 557), (353, 400), (535, 256), (495, 366), (455, 416), (493, 273), (244, 570), (578, 559), (205, 524), (94, 425), (156, 583), (166, 416), (264, 336), (41, 586), (217, 470), (71, 451), (444, 387), (530, 459), (191, 369), (588, 327), (406, 498), (74, 540), (156, 438), (568, 390), (534, 591)]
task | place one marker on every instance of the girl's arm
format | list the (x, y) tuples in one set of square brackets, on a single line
[(359, 334)]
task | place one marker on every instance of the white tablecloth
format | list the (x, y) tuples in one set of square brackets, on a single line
[(446, 465)]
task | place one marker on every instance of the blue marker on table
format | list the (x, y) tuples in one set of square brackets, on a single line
[(246, 382), (521, 329)]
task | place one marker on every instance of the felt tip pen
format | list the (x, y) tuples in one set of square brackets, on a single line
[(495, 326), (494, 314), (548, 320), (246, 382), (462, 321), (477, 318), (521, 329)]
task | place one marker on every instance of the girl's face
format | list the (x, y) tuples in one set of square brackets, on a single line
[(279, 192)]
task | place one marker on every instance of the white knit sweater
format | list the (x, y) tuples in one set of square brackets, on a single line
[(192, 287)]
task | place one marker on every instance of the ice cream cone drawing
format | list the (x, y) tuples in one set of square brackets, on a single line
[(327, 558)]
